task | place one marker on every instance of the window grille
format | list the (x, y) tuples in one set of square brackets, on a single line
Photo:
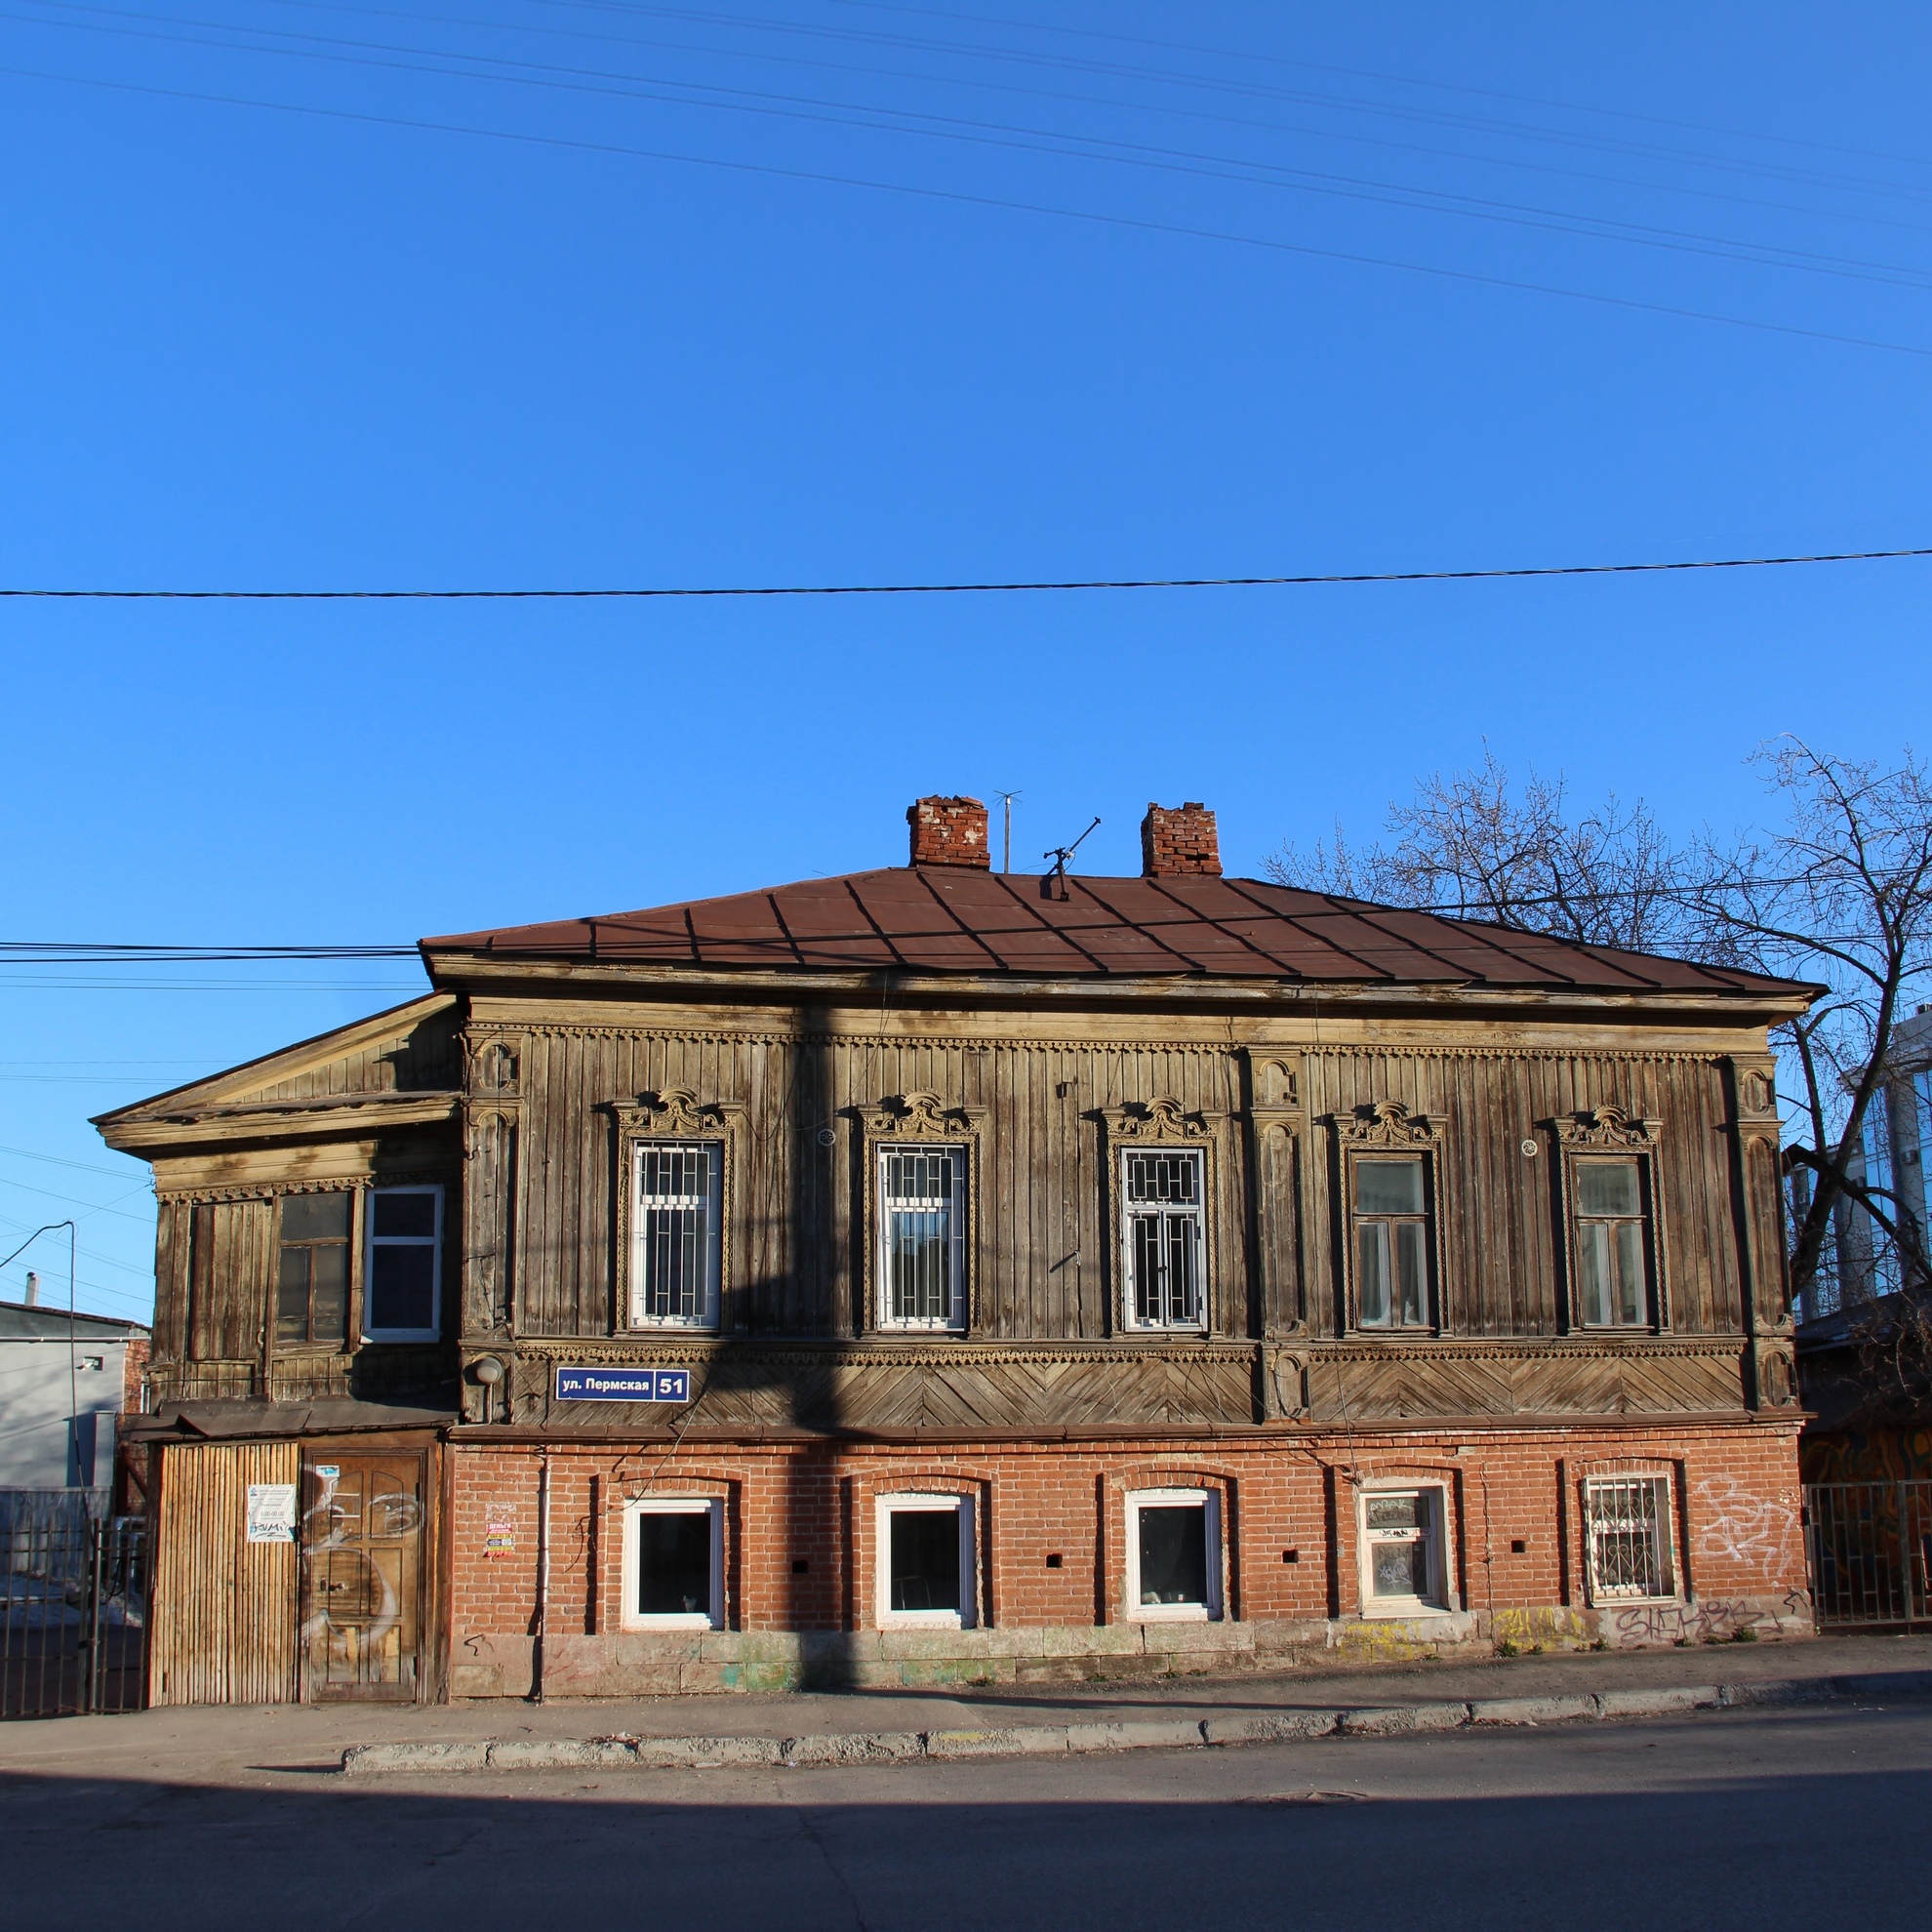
[(1392, 1242), (1608, 1233), (922, 1237), (1161, 1195), (1629, 1537), (677, 1235)]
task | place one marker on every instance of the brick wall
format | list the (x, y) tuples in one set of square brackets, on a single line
[(1178, 839), (801, 1536)]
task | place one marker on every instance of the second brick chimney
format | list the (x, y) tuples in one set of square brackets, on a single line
[(1177, 840), (950, 831)]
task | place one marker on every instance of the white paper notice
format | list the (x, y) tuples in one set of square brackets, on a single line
[(271, 1512)]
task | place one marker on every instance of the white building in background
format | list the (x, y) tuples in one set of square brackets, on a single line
[(1896, 1142), (64, 1383)]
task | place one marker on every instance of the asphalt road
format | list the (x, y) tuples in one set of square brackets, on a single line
[(1810, 1818)]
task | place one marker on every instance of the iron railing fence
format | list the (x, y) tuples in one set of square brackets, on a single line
[(1868, 1547), (73, 1612)]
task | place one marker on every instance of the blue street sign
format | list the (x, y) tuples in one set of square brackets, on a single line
[(622, 1385)]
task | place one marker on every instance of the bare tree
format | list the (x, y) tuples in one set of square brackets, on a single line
[(1471, 847), (1841, 894)]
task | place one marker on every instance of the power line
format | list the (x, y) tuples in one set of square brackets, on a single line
[(922, 591)]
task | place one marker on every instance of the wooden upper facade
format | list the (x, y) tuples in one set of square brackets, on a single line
[(937, 1147)]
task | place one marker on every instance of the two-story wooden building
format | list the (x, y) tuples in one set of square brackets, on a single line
[(939, 1274)]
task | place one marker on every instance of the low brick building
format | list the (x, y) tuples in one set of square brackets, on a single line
[(934, 1274)]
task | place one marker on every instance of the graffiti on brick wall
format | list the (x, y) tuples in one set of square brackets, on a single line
[(1743, 1525), (1684, 1623), (1540, 1629)]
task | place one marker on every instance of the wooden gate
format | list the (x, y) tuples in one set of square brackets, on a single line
[(362, 1536), (222, 1617)]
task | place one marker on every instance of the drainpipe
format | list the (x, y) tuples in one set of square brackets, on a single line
[(543, 1576)]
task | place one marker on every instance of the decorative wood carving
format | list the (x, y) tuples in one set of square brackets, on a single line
[(1388, 1124), (917, 1117), (1608, 1129), (676, 1113), (1389, 1127), (1155, 1121)]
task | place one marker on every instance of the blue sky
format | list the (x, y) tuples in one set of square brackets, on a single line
[(513, 292)]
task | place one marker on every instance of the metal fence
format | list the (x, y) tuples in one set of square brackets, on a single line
[(1869, 1546), (73, 1607)]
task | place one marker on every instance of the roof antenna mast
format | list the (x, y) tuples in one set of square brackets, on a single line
[(1007, 798), (1060, 854)]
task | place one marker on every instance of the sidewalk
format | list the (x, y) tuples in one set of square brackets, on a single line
[(216, 1744)]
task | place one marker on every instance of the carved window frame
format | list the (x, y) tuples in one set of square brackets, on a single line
[(1390, 1128), (675, 1113), (920, 1120), (1161, 1122), (1609, 1131)]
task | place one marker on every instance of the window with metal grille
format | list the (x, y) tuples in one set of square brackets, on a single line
[(1161, 1192), (402, 1269), (1391, 1208), (1628, 1519), (676, 1233), (1609, 1236), (312, 1272), (922, 1237)]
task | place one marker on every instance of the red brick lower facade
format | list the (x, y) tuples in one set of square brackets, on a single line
[(798, 1525)]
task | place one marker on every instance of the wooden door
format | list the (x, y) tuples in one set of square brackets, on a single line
[(362, 1574)]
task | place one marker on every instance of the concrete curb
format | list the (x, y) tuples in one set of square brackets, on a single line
[(623, 1751)]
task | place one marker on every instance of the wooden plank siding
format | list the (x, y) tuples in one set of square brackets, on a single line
[(222, 1612)]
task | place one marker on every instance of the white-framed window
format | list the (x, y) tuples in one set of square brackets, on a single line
[(676, 1233), (1611, 1240), (402, 1266), (1163, 1237), (1173, 1554), (673, 1563), (1391, 1212), (927, 1562), (923, 1237), (1628, 1539), (1405, 1549)]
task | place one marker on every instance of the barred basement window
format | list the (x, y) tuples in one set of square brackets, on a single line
[(1163, 1237), (402, 1278), (312, 1270), (1627, 1522), (676, 1233), (922, 1237)]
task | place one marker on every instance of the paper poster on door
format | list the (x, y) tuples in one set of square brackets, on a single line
[(271, 1512)]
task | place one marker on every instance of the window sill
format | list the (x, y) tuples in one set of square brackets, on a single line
[(668, 1325), (1173, 1613), (1604, 1600), (678, 1623), (1409, 1610), (382, 1337), (922, 1620), (920, 1328)]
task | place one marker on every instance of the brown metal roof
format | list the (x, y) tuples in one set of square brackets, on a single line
[(946, 919)]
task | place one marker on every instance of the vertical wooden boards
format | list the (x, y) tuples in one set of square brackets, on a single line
[(223, 1610)]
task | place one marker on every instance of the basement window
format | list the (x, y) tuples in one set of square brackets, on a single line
[(673, 1563), (1404, 1551), (402, 1282), (1628, 1546), (926, 1561), (1173, 1554)]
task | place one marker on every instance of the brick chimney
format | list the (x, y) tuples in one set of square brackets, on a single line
[(949, 831), (1179, 840)]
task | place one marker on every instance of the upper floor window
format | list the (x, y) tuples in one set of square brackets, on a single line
[(1611, 1241), (922, 1237), (312, 1270), (1392, 1242), (676, 1233), (402, 1278), (1162, 1191)]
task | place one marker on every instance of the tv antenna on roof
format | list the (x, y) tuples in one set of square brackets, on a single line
[(1007, 798), (1060, 854)]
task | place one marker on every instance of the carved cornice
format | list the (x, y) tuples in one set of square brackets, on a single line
[(1608, 1128), (918, 1117), (687, 1350), (269, 1190), (1388, 1124), (1161, 1120), (674, 1112)]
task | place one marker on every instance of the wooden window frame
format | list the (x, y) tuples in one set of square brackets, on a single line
[(920, 1120), (1441, 1600), (1158, 1126), (350, 1244), (366, 1252), (1600, 1133), (960, 1218), (676, 1114), (1384, 1130)]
